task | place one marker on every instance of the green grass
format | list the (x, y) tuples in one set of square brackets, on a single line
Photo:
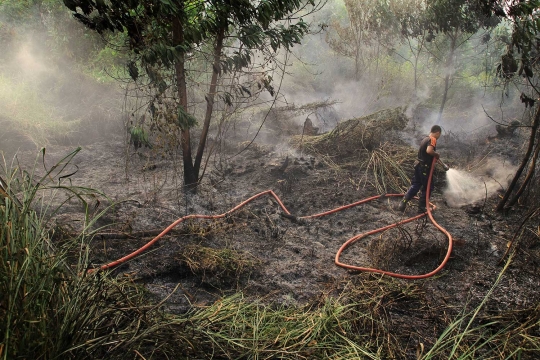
[(49, 308), (511, 334), (236, 328)]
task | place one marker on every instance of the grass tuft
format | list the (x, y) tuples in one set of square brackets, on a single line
[(49, 308), (479, 335), (221, 264)]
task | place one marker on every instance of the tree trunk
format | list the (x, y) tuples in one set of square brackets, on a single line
[(416, 77), (449, 65), (528, 178), (190, 175), (524, 162), (445, 95), (357, 64), (415, 65), (358, 36), (210, 100)]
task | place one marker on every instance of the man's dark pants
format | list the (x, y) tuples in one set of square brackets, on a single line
[(419, 182)]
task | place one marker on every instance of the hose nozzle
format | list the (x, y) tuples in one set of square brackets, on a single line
[(445, 167)]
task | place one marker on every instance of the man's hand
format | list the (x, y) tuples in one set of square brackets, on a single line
[(445, 167)]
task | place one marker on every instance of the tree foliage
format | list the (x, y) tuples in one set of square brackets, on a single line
[(453, 20), (148, 25), (163, 36), (467, 16), (521, 62), (370, 26)]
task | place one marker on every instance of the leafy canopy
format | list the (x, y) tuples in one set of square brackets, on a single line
[(148, 24)]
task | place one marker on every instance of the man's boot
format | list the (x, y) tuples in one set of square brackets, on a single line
[(402, 205), (422, 205)]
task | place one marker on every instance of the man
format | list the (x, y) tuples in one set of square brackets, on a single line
[(422, 167)]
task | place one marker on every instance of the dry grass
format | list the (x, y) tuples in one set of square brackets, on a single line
[(235, 328), (478, 334), (386, 171), (205, 229), (221, 264), (354, 135), (384, 251)]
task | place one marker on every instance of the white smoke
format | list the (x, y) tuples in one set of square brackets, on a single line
[(465, 187)]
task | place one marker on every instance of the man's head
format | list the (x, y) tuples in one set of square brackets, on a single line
[(435, 131)]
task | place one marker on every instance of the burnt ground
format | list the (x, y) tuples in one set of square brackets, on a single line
[(265, 255)]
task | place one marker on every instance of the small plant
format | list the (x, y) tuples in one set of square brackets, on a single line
[(221, 264), (138, 137)]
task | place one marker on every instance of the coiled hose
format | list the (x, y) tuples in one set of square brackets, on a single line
[(343, 247)]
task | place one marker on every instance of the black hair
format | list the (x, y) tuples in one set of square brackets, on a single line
[(435, 129)]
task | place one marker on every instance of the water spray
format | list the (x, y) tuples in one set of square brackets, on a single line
[(475, 185)]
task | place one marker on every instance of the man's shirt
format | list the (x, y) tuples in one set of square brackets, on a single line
[(423, 156)]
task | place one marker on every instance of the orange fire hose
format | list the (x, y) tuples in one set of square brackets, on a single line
[(389, 273), (343, 247)]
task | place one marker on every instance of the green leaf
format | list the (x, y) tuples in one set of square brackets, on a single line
[(227, 98), (185, 120), (170, 55), (245, 90), (133, 71)]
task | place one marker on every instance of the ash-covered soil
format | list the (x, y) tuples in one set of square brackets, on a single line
[(268, 256)]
